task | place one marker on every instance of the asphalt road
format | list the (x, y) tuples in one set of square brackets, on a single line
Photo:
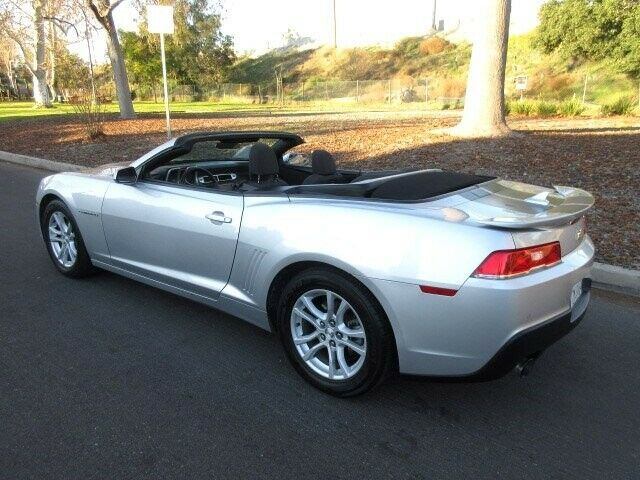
[(107, 378)]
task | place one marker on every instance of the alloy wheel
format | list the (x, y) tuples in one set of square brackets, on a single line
[(62, 239), (328, 334)]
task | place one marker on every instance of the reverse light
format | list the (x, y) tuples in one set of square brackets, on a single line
[(511, 263)]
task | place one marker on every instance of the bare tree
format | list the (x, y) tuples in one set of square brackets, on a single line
[(24, 23), (59, 15), (484, 102), (103, 11), (8, 56)]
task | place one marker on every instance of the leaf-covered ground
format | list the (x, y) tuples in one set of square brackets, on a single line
[(600, 155)]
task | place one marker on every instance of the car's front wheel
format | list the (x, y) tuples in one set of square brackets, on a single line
[(64, 241), (335, 333)]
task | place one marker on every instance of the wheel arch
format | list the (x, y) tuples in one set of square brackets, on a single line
[(46, 200), (289, 271)]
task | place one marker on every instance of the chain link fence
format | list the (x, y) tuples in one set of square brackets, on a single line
[(435, 93), (341, 91)]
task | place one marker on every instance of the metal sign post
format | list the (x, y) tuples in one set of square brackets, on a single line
[(521, 84), (160, 19)]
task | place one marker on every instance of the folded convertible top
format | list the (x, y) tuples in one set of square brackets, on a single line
[(410, 186)]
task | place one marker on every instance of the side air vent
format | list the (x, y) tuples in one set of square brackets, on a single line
[(253, 266)]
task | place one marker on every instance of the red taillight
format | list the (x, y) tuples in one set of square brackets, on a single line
[(511, 263)]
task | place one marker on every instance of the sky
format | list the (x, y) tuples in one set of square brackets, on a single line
[(257, 25)]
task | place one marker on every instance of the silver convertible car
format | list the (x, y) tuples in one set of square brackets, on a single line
[(427, 272)]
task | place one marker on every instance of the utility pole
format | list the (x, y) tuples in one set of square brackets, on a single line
[(335, 28), (166, 89), (434, 27), (161, 21)]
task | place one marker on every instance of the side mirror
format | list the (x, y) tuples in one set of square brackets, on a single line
[(127, 175)]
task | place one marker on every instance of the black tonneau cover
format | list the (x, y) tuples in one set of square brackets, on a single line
[(411, 186)]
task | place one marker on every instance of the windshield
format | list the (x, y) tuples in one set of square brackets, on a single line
[(209, 150)]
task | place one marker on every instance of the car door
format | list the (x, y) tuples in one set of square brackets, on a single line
[(181, 236)]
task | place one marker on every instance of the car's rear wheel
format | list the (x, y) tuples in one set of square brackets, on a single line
[(335, 333), (64, 241)]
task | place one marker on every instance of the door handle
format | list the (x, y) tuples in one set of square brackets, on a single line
[(218, 218)]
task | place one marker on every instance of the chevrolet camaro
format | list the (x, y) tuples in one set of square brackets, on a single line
[(360, 273)]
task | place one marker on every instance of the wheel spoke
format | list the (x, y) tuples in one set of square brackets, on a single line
[(342, 361), (54, 234), (306, 317), (332, 362), (313, 351), (359, 349), (308, 303), (350, 332), (342, 309), (306, 338), (59, 221), (331, 300)]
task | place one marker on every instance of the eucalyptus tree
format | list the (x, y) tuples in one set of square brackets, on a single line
[(483, 114), (103, 12)]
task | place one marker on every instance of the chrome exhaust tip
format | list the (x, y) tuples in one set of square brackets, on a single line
[(524, 368)]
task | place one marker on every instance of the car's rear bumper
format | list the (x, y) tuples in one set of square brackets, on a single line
[(489, 325), (529, 343)]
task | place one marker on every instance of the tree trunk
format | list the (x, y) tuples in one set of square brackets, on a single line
[(10, 76), (119, 71), (40, 89), (484, 102)]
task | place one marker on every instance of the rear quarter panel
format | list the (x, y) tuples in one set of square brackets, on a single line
[(408, 244)]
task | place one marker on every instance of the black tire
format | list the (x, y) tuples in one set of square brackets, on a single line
[(82, 266), (380, 357)]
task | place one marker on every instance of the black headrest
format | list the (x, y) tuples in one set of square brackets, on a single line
[(262, 160), (322, 162)]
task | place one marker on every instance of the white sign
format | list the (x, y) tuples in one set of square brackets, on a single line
[(521, 82), (160, 18)]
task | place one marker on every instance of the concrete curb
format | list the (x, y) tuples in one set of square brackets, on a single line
[(605, 276), (39, 163), (615, 278)]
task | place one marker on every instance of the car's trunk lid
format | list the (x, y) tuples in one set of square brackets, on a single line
[(534, 215), (515, 205)]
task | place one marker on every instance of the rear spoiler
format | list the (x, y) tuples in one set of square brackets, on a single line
[(521, 206)]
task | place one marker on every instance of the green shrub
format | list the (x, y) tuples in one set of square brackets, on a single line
[(531, 108), (545, 109), (522, 107), (622, 106), (571, 108)]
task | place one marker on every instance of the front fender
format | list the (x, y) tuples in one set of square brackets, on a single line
[(83, 195)]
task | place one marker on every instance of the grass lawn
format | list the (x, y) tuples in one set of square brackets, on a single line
[(18, 110)]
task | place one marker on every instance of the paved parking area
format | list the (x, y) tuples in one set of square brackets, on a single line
[(107, 378)]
